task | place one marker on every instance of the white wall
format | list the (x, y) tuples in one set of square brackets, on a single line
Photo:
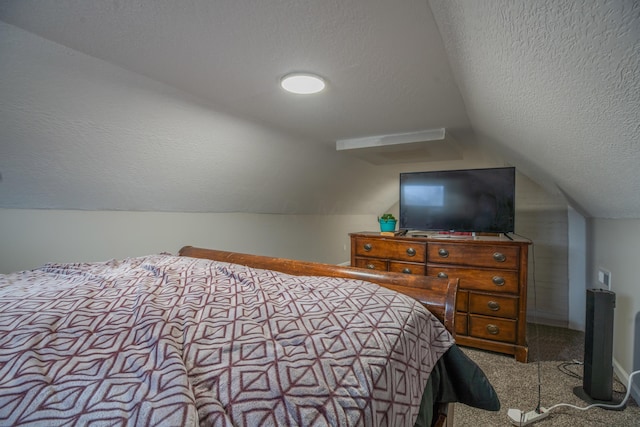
[(542, 217), (578, 282), (77, 132), (615, 246), (30, 238)]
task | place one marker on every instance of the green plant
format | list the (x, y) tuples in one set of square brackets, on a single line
[(387, 217)]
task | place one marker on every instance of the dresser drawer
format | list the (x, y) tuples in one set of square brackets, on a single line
[(372, 264), (492, 328), (493, 305), (493, 256), (406, 267), (393, 249), (478, 278), (461, 324)]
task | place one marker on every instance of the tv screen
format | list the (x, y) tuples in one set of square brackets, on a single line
[(480, 200)]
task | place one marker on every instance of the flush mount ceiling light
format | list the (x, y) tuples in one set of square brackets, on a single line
[(302, 83)]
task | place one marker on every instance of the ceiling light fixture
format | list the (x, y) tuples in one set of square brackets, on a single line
[(302, 83)]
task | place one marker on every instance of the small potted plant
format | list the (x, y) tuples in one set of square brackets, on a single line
[(387, 222)]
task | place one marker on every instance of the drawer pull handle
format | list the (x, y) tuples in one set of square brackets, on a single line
[(498, 280), (493, 329), (411, 252), (367, 247), (443, 253), (500, 257), (493, 306), (406, 270), (371, 266), (443, 275)]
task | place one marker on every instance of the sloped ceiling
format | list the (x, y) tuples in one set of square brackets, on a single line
[(163, 105), (556, 86)]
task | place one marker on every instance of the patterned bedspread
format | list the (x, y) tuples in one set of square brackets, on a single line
[(165, 340)]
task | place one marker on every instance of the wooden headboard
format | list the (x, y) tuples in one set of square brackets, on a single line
[(438, 295)]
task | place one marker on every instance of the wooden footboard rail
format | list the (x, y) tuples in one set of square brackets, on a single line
[(438, 295)]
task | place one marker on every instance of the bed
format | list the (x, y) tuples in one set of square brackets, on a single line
[(217, 338)]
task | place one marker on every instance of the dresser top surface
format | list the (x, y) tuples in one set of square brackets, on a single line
[(430, 236)]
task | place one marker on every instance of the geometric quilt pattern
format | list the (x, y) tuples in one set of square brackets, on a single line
[(165, 340)]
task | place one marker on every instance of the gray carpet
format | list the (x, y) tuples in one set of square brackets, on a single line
[(517, 384)]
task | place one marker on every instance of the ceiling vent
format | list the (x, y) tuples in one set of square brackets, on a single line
[(414, 147)]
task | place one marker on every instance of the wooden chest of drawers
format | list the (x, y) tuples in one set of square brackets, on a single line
[(491, 310)]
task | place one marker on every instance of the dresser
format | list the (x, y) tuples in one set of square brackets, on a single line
[(491, 309)]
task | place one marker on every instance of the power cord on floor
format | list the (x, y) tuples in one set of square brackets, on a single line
[(563, 367), (519, 418), (602, 405)]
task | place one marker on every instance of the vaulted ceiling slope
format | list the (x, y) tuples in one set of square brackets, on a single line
[(164, 105), (556, 85)]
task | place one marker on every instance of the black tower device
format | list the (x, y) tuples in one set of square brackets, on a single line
[(597, 380)]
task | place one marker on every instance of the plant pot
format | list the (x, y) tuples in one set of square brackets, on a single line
[(387, 224)]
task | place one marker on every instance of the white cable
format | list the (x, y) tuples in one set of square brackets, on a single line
[(540, 412), (520, 419), (601, 405)]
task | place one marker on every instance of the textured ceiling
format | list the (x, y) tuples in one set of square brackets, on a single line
[(555, 85), (164, 105), (383, 61)]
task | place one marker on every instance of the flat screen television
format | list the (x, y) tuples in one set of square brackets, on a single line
[(471, 200)]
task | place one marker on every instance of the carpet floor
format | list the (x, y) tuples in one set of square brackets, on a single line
[(517, 384)]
